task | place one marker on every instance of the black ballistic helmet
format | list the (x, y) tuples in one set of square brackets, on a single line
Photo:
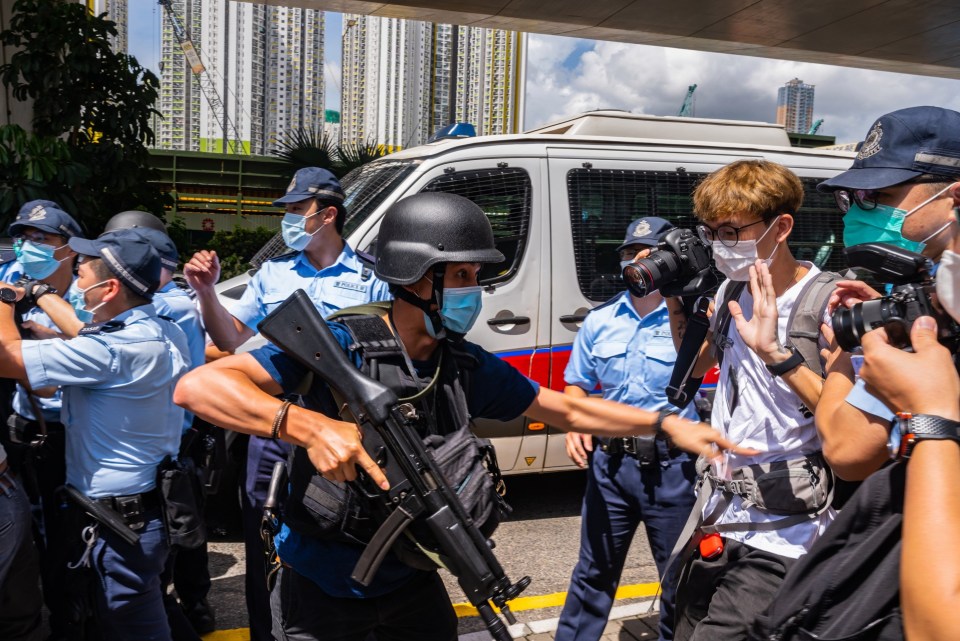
[(428, 228), (134, 218)]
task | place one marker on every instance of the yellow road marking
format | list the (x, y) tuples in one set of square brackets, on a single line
[(466, 610), (557, 598)]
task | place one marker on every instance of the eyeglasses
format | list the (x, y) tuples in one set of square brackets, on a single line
[(38, 237), (866, 199), (728, 235)]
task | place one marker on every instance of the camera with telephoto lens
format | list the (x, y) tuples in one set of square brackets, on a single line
[(913, 295), (679, 266)]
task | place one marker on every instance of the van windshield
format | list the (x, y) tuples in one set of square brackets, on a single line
[(365, 188)]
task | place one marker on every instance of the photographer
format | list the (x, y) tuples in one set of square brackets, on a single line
[(901, 191), (764, 399)]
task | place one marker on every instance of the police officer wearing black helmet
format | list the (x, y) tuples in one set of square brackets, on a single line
[(431, 249)]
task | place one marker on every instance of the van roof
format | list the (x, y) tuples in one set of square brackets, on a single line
[(613, 126)]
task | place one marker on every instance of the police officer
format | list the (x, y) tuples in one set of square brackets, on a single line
[(41, 232), (117, 378), (625, 347), (189, 569), (334, 276), (432, 246), (11, 268)]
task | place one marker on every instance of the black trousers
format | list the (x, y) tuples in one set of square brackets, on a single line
[(718, 599), (418, 611)]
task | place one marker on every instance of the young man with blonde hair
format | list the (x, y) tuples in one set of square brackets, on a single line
[(765, 399)]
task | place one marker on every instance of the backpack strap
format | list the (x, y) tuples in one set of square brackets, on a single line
[(720, 340), (803, 326)]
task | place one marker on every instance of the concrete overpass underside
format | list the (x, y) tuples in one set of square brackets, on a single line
[(906, 36)]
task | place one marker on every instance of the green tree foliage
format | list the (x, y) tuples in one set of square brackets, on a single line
[(312, 148), (236, 248), (96, 101)]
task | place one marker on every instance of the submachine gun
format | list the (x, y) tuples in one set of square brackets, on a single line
[(418, 492)]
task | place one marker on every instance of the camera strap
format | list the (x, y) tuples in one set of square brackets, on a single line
[(682, 385)]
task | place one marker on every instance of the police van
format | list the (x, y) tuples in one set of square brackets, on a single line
[(559, 199)]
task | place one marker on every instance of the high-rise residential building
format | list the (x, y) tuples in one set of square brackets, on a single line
[(795, 106), (404, 79), (116, 11), (263, 76)]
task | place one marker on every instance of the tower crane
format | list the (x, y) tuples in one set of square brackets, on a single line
[(815, 128), (686, 110), (207, 86)]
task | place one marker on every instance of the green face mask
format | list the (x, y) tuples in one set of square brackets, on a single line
[(879, 225)]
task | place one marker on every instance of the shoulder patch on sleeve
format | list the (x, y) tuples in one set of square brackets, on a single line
[(100, 328)]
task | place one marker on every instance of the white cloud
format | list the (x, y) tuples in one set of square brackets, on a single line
[(654, 80)]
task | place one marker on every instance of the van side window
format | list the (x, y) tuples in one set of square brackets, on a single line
[(504, 195), (604, 201)]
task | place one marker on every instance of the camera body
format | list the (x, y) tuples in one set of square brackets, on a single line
[(679, 266), (913, 296)]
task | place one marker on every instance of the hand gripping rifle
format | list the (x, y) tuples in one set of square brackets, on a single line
[(418, 491)]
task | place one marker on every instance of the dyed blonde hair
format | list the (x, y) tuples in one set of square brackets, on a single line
[(757, 188)]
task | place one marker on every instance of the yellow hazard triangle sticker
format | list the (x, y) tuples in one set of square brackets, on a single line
[(529, 460)]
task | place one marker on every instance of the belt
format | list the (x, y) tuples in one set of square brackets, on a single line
[(131, 505)]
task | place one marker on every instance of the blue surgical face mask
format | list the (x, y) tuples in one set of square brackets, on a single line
[(79, 302), (883, 224), (294, 228), (38, 260), (461, 307)]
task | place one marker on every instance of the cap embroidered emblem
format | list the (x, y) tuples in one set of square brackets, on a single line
[(293, 183), (871, 145), (642, 229), (37, 213)]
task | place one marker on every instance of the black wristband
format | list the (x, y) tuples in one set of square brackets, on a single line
[(795, 360), (658, 426)]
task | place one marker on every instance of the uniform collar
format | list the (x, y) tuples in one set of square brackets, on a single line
[(625, 305), (347, 260)]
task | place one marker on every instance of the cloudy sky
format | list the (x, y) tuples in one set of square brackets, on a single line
[(567, 76)]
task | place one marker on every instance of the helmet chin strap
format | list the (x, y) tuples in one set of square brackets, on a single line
[(433, 315)]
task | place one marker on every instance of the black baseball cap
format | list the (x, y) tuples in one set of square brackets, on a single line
[(313, 182)]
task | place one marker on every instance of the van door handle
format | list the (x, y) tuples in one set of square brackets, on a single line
[(573, 318), (509, 320)]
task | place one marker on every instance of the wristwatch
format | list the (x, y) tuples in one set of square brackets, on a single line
[(795, 360), (909, 429), (8, 295)]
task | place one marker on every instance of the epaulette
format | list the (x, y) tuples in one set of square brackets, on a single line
[(612, 300), (7, 256), (166, 318), (368, 260), (100, 328)]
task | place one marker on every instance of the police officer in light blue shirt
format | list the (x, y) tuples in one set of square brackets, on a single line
[(626, 350), (330, 271), (117, 379)]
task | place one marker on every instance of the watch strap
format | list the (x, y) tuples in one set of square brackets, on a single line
[(922, 427), (661, 417), (794, 361)]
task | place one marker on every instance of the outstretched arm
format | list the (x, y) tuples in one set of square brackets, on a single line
[(237, 393), (202, 273), (608, 418)]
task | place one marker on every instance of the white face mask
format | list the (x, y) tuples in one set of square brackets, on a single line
[(734, 262), (948, 283)]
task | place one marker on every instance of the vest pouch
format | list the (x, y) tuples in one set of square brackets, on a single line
[(181, 502), (469, 466), (799, 486), (336, 511)]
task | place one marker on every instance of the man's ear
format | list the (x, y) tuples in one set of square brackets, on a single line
[(115, 288), (954, 193), (329, 214), (784, 227)]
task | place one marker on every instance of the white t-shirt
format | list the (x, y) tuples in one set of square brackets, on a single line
[(755, 409)]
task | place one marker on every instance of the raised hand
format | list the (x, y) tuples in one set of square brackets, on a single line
[(202, 271), (760, 332)]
